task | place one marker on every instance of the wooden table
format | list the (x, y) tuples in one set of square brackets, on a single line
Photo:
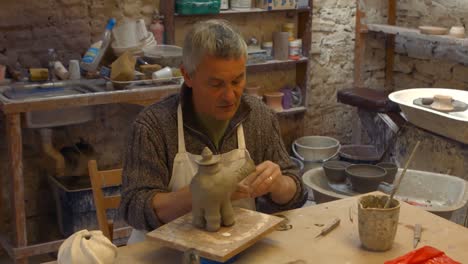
[(342, 245), (12, 110)]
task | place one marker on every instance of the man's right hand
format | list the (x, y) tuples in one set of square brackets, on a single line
[(242, 191)]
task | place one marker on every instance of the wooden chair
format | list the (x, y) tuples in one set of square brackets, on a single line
[(100, 179)]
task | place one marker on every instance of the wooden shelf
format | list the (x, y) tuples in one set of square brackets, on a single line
[(249, 10), (415, 34), (292, 111), (274, 65)]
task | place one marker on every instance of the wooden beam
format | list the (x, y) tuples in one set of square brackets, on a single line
[(390, 47), (15, 154), (167, 8)]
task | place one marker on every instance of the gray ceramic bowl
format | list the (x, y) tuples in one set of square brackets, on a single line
[(335, 170), (365, 177), (391, 169)]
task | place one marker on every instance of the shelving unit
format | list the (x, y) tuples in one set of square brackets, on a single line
[(254, 10), (167, 8)]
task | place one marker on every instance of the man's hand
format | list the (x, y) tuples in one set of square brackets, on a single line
[(266, 178), (242, 191)]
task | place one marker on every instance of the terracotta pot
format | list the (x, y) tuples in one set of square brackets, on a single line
[(377, 225), (275, 100), (253, 90)]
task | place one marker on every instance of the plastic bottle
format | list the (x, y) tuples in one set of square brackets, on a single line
[(52, 58), (93, 56), (157, 28)]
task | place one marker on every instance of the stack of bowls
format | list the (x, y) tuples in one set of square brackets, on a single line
[(363, 177)]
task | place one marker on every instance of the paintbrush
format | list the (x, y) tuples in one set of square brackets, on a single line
[(398, 180)]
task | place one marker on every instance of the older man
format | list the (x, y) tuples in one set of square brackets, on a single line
[(210, 111)]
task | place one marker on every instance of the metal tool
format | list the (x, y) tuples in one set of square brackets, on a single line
[(329, 227), (417, 235)]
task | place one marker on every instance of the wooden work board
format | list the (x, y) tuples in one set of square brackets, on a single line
[(222, 245)]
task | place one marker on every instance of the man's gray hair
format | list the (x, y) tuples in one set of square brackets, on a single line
[(213, 37)]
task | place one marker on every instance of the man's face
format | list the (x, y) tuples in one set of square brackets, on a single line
[(217, 86)]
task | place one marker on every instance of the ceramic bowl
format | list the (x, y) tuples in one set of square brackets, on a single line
[(391, 169), (365, 177), (458, 32), (429, 30), (335, 170)]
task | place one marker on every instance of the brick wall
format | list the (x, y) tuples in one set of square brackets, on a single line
[(27, 30)]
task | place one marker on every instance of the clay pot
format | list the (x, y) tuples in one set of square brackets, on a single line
[(442, 103), (377, 225), (391, 169), (274, 100), (335, 170), (365, 177), (253, 90)]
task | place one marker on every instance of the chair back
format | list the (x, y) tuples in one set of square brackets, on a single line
[(99, 180)]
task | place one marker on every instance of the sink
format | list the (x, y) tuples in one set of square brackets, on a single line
[(56, 117), (25, 92)]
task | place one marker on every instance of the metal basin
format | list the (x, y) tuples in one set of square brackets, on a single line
[(56, 117)]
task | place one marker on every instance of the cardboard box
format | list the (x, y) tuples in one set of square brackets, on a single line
[(276, 4)]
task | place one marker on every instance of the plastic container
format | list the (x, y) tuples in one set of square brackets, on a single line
[(268, 46), (295, 49), (241, 4), (164, 55), (289, 27), (75, 205), (197, 7), (426, 190), (157, 27), (93, 56), (315, 148)]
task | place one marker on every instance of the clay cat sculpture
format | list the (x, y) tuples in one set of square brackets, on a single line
[(211, 190)]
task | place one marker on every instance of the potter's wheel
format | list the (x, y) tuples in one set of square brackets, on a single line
[(345, 188)]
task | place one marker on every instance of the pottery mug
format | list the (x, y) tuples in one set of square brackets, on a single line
[(377, 225)]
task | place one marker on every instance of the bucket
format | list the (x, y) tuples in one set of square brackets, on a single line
[(315, 149), (377, 225), (299, 164)]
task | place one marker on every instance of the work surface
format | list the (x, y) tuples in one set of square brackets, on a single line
[(342, 245)]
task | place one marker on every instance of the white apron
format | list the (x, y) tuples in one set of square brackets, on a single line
[(185, 168)]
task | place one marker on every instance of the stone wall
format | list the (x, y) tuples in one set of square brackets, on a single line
[(417, 64), (331, 69)]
